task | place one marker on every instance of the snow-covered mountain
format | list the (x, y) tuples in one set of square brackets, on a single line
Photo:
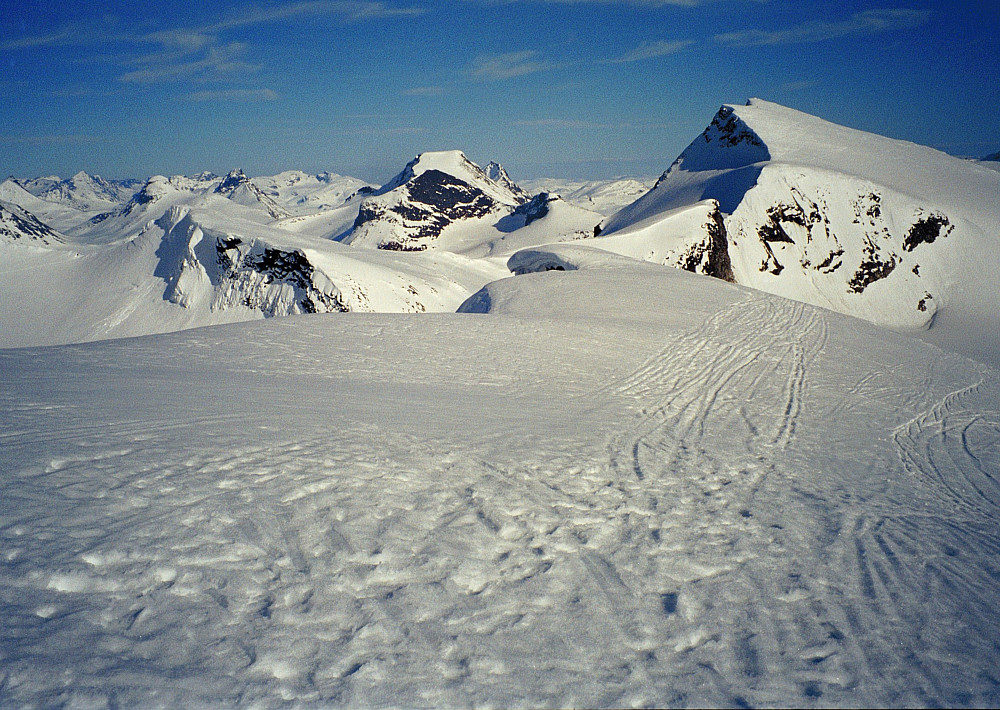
[(301, 193), (877, 228), (498, 174), (191, 251), (436, 196), (19, 225), (88, 193), (603, 196), (236, 186), (766, 197)]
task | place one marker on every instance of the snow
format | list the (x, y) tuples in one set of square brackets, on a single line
[(601, 482), (830, 215), (454, 162), (607, 491), (603, 196)]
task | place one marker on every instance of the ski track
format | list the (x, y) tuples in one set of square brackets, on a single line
[(356, 568), (840, 634)]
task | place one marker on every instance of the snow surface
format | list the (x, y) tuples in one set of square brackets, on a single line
[(886, 230), (622, 485), (603, 196)]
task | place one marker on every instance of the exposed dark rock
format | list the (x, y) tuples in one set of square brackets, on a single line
[(710, 256), (873, 268), (782, 213), (926, 230), (832, 262), (399, 246), (536, 208), (430, 202), (730, 130), (922, 303), (868, 205), (276, 265), (16, 224)]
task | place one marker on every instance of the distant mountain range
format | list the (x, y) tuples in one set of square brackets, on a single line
[(765, 197)]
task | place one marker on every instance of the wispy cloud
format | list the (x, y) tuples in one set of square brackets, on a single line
[(211, 63), (799, 85), (55, 139), (651, 50), (491, 67), (560, 123), (424, 91), (344, 9), (234, 95), (37, 41), (860, 23)]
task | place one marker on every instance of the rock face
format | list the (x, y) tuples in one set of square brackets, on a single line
[(708, 255), (832, 216), (238, 187), (202, 266), (434, 193), (19, 226)]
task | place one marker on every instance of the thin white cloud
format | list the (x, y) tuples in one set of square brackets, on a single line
[(234, 95), (37, 41), (860, 23), (651, 50), (560, 123), (424, 91), (214, 63), (55, 139), (345, 9), (492, 67)]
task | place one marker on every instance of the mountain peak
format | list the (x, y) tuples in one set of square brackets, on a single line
[(233, 180), (498, 174)]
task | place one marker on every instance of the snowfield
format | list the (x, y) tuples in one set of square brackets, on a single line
[(620, 485), (446, 442)]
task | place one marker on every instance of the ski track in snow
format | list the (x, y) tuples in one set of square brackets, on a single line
[(676, 559)]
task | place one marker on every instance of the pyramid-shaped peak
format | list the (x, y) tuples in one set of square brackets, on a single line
[(233, 179), (457, 165), (498, 174)]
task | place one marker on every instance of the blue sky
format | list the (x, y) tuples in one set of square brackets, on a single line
[(569, 88)]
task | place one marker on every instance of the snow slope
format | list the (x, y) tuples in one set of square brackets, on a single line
[(603, 196), (608, 491), (300, 193), (205, 263), (886, 230)]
